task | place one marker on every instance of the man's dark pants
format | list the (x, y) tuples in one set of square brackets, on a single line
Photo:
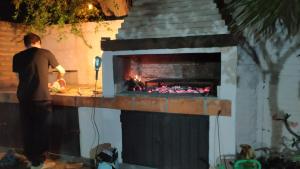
[(36, 118)]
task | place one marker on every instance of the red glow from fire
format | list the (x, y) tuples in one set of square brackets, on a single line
[(136, 84), (179, 89)]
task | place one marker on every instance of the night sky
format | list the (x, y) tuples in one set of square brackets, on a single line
[(6, 10)]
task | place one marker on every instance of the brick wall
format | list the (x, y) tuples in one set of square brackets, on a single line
[(73, 54), (11, 42)]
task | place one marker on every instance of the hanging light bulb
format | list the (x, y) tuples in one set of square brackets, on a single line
[(90, 6)]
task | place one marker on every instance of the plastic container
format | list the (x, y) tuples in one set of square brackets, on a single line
[(247, 164)]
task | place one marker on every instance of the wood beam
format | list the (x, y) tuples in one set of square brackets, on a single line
[(221, 40)]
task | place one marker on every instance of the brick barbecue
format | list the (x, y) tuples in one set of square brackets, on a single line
[(178, 54)]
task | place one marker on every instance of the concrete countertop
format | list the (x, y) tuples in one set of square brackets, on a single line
[(8, 95), (84, 96)]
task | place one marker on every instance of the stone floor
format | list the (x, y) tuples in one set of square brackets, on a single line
[(13, 160), (18, 161), (66, 165)]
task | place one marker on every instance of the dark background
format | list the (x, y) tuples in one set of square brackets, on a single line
[(6, 10)]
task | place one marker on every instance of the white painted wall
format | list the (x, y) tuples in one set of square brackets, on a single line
[(227, 125), (289, 89), (249, 78), (227, 91), (288, 99), (253, 111), (109, 128)]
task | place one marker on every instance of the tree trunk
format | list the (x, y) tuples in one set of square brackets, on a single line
[(277, 126)]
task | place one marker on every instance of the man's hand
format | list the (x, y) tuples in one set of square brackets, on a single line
[(61, 72)]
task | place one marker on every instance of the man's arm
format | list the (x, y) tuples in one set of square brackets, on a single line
[(61, 71)]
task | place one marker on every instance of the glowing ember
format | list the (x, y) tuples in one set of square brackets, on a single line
[(179, 89), (137, 78), (135, 84), (90, 6)]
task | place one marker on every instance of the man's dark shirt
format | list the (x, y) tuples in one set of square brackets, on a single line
[(32, 66)]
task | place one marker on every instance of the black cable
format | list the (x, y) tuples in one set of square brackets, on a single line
[(98, 134), (219, 140), (219, 144), (94, 129), (94, 121)]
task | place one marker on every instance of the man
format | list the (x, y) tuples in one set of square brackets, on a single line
[(32, 66)]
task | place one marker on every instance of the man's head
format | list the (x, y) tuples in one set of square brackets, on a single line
[(32, 40)]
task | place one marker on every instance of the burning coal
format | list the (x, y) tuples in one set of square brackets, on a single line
[(136, 84)]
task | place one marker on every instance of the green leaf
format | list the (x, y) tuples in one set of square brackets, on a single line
[(264, 17)]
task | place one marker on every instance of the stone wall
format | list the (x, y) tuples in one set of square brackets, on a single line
[(172, 18)]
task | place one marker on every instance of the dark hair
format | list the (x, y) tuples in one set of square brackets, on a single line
[(31, 38)]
